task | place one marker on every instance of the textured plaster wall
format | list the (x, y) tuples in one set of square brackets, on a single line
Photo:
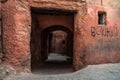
[(92, 43), (59, 42), (17, 29), (16, 34), (102, 42)]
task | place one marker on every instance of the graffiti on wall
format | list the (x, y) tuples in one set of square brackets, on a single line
[(104, 31)]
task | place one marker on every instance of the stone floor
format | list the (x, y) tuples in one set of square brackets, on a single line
[(64, 72), (91, 72)]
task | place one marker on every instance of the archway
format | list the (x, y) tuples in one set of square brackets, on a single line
[(47, 36), (48, 53), (44, 27)]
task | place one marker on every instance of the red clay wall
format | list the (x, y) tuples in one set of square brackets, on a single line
[(59, 42), (16, 34), (17, 29), (92, 43), (102, 42), (46, 21)]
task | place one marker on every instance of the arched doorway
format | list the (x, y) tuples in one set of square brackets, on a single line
[(55, 51), (57, 39), (51, 33)]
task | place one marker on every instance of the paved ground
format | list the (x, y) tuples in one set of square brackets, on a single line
[(55, 64), (91, 72)]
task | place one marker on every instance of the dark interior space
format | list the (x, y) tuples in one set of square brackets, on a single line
[(47, 39), (51, 46)]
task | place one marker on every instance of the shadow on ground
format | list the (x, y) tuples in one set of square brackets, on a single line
[(55, 64)]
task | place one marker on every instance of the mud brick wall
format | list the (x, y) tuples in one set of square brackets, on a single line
[(92, 43), (16, 19), (103, 41)]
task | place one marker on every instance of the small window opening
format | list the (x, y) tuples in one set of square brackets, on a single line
[(101, 18)]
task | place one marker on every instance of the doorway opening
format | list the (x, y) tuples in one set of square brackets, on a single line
[(52, 42), (57, 49)]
